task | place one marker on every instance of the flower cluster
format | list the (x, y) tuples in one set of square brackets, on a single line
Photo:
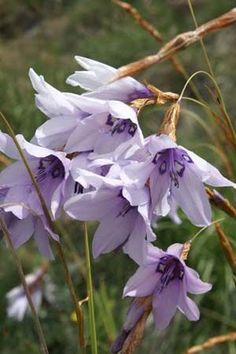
[(91, 160)]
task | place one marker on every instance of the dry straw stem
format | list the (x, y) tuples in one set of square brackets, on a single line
[(181, 41), (135, 336), (160, 98), (170, 121), (4, 160), (220, 202), (211, 342), (227, 248), (148, 27)]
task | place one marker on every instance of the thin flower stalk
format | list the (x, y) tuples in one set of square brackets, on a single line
[(222, 104), (227, 249), (92, 321), (52, 225), (42, 340), (149, 28), (179, 42), (221, 202)]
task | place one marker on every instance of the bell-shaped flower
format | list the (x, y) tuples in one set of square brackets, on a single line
[(17, 301), (123, 215), (19, 200), (176, 176), (80, 123), (98, 80), (167, 278)]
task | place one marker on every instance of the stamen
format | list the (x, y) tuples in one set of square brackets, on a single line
[(170, 268)]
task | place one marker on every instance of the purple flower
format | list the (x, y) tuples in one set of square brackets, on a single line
[(98, 77), (166, 277), (123, 215), (20, 204), (176, 176), (80, 123), (17, 301)]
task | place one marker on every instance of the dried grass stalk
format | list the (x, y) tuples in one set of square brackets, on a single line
[(148, 27), (227, 249), (211, 342), (136, 334), (220, 202), (181, 41), (170, 121)]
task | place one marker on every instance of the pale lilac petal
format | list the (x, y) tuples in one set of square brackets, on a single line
[(154, 254), (92, 205), (84, 136), (136, 196), (16, 201), (8, 147), (192, 198), (49, 100), (175, 249), (194, 284), (137, 173), (54, 133), (165, 304), (113, 231), (210, 174), (136, 246), (100, 74), (187, 306), (41, 237), (159, 190), (21, 230), (121, 110), (13, 174), (18, 309), (156, 143), (143, 282)]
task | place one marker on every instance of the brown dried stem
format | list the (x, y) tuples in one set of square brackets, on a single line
[(211, 342), (136, 334), (181, 41), (148, 27), (227, 249), (220, 202)]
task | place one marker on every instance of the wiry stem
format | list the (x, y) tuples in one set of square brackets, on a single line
[(181, 41), (227, 249), (53, 227), (92, 321), (222, 104), (42, 341)]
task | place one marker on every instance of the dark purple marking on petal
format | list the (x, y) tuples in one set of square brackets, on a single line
[(171, 269), (110, 120), (163, 167), (144, 93), (49, 167), (173, 161), (78, 189), (132, 129)]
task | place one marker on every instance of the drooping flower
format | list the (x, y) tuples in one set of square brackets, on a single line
[(167, 278), (123, 215), (20, 204), (98, 80), (80, 123), (17, 301), (176, 175)]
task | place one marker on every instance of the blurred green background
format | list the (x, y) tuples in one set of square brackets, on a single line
[(45, 35)]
